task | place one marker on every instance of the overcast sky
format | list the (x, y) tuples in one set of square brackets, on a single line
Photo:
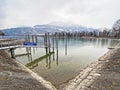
[(91, 13)]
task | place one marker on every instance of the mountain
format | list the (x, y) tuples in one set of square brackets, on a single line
[(40, 29), (19, 31)]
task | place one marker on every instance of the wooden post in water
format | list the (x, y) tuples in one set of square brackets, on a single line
[(33, 38), (57, 51), (25, 38), (36, 39), (45, 43), (53, 48), (28, 50), (49, 42), (28, 38), (66, 45), (46, 48)]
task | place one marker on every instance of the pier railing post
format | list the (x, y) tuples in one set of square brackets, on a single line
[(49, 42), (12, 53)]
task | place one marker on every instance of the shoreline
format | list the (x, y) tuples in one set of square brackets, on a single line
[(99, 75)]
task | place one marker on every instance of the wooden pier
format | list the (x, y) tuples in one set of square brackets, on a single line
[(12, 44)]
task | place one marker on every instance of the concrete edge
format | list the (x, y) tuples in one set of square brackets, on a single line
[(44, 82)]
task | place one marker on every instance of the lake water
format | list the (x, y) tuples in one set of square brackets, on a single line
[(70, 57)]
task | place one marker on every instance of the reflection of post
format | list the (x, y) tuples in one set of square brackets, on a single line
[(57, 51), (66, 46), (35, 40), (46, 61), (34, 50), (30, 54), (49, 64), (46, 48), (53, 48), (28, 50)]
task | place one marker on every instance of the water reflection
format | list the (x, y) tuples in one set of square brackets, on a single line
[(65, 57), (57, 43)]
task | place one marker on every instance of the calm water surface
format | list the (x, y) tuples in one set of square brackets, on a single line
[(71, 56)]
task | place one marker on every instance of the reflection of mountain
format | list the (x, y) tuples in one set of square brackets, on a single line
[(40, 29)]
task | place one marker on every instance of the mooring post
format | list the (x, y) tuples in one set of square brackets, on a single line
[(53, 43), (32, 38), (46, 48), (45, 40), (53, 48), (57, 51), (36, 39), (28, 38), (49, 42), (33, 41), (12, 53), (45, 43), (66, 45)]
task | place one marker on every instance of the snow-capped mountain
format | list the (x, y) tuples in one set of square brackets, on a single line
[(19, 31), (40, 29)]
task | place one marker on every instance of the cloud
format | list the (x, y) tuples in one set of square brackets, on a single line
[(2, 13), (93, 13)]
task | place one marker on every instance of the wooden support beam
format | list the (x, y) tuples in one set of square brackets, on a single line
[(12, 53)]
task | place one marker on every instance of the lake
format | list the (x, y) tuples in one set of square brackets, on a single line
[(69, 58)]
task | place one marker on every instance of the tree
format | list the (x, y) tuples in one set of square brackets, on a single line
[(116, 28), (1, 33)]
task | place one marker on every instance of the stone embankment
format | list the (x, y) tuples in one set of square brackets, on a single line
[(15, 76), (103, 74)]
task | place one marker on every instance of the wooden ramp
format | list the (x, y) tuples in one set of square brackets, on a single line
[(9, 47), (22, 46)]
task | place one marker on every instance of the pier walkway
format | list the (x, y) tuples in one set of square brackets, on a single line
[(21, 46)]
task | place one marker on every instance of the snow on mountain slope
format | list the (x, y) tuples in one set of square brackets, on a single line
[(40, 29)]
